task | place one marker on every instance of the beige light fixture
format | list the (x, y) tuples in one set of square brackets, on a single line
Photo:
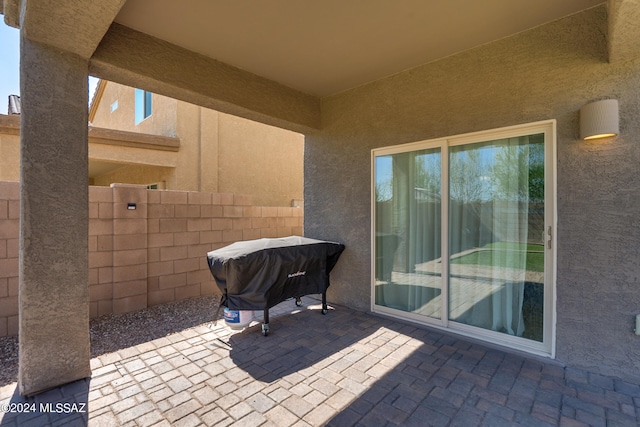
[(599, 119)]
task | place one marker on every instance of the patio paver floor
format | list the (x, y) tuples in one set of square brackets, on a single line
[(346, 368)]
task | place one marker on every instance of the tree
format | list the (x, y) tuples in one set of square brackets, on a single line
[(467, 177), (518, 170)]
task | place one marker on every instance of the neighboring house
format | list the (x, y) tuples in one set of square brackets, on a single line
[(218, 152), (10, 141), (448, 118), (169, 144)]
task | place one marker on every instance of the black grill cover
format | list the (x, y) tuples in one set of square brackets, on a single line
[(258, 274)]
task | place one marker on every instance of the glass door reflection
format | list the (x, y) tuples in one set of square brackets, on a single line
[(408, 194), (496, 235)]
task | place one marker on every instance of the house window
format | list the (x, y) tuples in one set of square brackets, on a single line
[(143, 105), (461, 234)]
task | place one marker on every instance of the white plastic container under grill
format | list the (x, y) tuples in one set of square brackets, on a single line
[(237, 319)]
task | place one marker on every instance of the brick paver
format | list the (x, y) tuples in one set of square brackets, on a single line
[(346, 368)]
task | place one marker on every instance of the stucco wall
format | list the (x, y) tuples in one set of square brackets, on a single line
[(161, 122), (546, 73), (9, 157), (136, 174), (261, 160)]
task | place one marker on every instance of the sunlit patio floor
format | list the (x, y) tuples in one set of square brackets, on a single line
[(347, 368)]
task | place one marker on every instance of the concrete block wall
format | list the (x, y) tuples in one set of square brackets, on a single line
[(100, 250), (129, 248), (9, 232), (146, 247)]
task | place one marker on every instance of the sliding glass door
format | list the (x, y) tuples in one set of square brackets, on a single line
[(462, 234), (408, 232)]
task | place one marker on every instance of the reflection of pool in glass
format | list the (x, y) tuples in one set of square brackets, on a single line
[(500, 287), (498, 255)]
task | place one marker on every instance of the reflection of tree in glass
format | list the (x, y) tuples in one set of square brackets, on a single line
[(384, 178), (427, 174), (511, 169), (518, 171), (424, 175), (467, 180), (536, 170), (384, 189)]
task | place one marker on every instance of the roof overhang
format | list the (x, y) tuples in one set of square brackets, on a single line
[(275, 61)]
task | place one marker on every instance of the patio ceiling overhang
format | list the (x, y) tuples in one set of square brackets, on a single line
[(137, 59), (275, 61)]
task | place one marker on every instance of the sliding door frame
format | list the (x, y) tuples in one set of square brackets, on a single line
[(548, 345)]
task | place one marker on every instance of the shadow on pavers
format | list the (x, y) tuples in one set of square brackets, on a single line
[(66, 405), (390, 372), (298, 340), (115, 332)]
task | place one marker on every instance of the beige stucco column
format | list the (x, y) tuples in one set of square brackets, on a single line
[(54, 295)]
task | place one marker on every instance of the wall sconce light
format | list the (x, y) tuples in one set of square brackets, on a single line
[(599, 119)]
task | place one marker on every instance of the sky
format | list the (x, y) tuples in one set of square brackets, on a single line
[(10, 66)]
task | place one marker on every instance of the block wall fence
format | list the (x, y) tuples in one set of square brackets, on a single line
[(146, 247)]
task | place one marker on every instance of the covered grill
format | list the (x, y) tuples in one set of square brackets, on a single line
[(259, 274)]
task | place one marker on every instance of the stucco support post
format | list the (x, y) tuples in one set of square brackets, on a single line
[(54, 295)]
